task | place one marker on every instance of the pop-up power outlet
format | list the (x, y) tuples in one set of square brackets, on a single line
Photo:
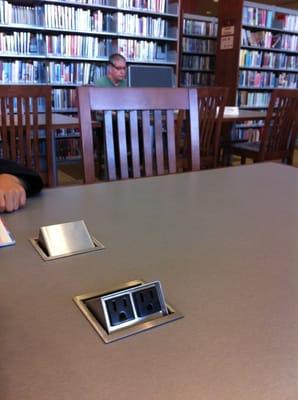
[(132, 308), (63, 240)]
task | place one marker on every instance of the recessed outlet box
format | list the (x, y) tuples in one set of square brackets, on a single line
[(131, 308)]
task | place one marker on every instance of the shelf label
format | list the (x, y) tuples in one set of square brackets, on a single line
[(226, 42), (227, 30)]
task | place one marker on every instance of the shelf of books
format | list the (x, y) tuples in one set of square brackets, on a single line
[(198, 51), (268, 57), (66, 43)]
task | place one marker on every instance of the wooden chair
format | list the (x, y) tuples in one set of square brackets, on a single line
[(138, 129), (211, 104), (278, 136), (26, 128)]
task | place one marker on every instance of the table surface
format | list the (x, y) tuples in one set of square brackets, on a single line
[(63, 121), (236, 114), (224, 245), (231, 114)]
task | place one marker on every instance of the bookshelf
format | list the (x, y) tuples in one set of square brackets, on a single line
[(269, 53), (67, 43), (268, 58), (198, 50), (264, 56)]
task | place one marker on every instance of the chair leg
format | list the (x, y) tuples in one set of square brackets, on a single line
[(288, 160)]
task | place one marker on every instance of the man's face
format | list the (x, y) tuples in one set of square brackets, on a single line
[(117, 70)]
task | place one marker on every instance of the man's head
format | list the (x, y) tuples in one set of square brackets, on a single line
[(117, 68)]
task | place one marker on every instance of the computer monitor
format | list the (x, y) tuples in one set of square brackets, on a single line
[(150, 76)]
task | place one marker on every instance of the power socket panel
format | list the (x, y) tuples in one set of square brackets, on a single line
[(147, 301), (124, 308), (128, 309), (120, 309)]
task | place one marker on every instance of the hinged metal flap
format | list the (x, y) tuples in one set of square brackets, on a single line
[(62, 239)]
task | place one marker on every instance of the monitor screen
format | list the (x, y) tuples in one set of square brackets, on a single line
[(150, 76)]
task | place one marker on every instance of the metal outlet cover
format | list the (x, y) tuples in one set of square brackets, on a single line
[(63, 240)]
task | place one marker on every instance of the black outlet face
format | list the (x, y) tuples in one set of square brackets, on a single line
[(119, 309), (146, 301)]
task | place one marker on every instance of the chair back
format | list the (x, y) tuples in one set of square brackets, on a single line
[(211, 104), (26, 128), (212, 101), (138, 128), (280, 127)]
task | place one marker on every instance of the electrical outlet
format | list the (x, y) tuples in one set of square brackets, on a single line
[(147, 301), (119, 309)]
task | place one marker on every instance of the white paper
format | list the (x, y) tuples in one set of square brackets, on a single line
[(5, 237)]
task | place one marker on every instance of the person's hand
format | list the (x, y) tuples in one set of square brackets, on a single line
[(12, 193)]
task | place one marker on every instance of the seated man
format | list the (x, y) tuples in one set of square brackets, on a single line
[(16, 182), (116, 73)]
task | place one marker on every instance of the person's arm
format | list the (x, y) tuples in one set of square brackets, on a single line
[(16, 182)]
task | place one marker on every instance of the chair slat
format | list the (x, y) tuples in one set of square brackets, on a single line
[(159, 152), (20, 129), (109, 142), (122, 144), (194, 137), (147, 143), (4, 135), (36, 138), (135, 149), (171, 138), (12, 130)]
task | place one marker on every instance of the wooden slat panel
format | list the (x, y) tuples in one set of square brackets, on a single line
[(159, 152), (122, 144), (12, 131), (20, 128), (147, 143), (4, 131), (171, 139), (86, 134), (194, 131), (135, 149), (28, 134), (35, 146), (109, 142)]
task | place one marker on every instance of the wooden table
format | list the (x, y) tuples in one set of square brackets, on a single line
[(58, 121), (236, 114), (63, 121), (231, 114), (224, 245)]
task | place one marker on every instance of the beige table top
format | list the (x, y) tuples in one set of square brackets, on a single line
[(236, 114), (64, 121), (231, 114), (58, 120), (224, 245)]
